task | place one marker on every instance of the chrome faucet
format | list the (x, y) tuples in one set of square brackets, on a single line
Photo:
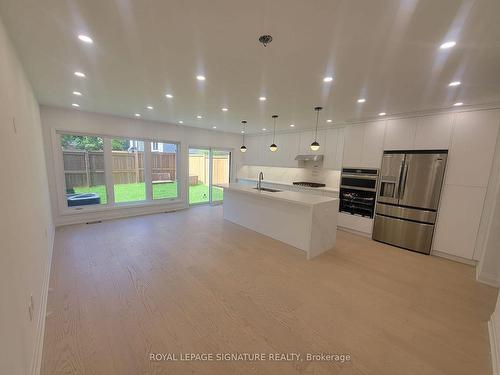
[(259, 183)]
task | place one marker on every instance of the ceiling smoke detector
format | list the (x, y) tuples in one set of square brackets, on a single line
[(265, 39)]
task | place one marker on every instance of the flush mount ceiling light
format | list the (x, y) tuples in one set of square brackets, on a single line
[(458, 104), (199, 116), (149, 107), (265, 39), (361, 100), (181, 122), (292, 125), (328, 79), (264, 129), (86, 39), (80, 74), (170, 96), (77, 93), (262, 98), (382, 114), (224, 109), (455, 83), (137, 114), (75, 105), (214, 127), (200, 78), (273, 146), (243, 148), (328, 120), (447, 45), (315, 145)]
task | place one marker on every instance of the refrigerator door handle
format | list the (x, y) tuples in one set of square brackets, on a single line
[(403, 180), (400, 178)]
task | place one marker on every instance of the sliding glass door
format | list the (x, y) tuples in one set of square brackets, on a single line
[(207, 167)]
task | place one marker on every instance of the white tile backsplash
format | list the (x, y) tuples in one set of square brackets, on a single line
[(288, 175)]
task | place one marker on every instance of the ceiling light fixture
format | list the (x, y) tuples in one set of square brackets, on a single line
[(264, 129), (315, 144), (137, 114), (170, 96), (361, 100), (80, 74), (328, 120), (328, 79), (181, 122), (262, 98), (273, 146), (243, 148), (200, 78), (455, 83), (382, 114), (149, 107), (85, 39), (292, 125), (77, 93), (214, 127), (447, 45), (75, 105), (458, 104), (224, 109), (199, 116)]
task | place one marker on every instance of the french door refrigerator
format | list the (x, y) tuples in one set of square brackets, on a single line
[(408, 198)]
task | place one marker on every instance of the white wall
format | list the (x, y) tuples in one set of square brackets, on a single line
[(26, 228), (57, 119)]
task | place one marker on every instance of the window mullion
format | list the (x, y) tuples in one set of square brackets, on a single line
[(108, 171), (148, 170)]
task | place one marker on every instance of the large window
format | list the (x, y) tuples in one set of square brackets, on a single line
[(83, 164), (100, 170)]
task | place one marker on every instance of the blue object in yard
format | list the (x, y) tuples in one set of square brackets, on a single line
[(82, 199)]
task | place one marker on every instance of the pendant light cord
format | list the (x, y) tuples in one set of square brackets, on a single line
[(274, 131), (317, 119)]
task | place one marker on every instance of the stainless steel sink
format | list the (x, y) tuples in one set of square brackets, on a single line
[(269, 190)]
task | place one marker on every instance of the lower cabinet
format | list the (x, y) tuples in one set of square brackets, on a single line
[(363, 225)]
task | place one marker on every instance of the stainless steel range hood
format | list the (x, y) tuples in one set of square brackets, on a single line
[(309, 157)]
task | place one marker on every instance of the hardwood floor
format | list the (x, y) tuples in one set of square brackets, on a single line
[(190, 282)]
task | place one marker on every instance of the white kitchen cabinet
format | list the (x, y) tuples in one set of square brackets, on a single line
[(373, 144), (334, 140), (288, 145), (359, 224), (458, 220), (353, 145), (253, 156), (472, 148), (434, 132), (400, 134), (307, 137)]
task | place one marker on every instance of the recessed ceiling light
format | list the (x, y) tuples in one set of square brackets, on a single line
[(328, 120), (214, 127), (181, 122), (200, 78), (328, 79), (170, 96), (382, 114), (75, 105), (264, 129), (199, 116), (447, 45), (292, 125), (224, 109), (458, 104), (242, 132), (80, 74), (455, 83), (149, 107), (137, 114), (262, 98), (362, 100), (85, 39), (77, 93)]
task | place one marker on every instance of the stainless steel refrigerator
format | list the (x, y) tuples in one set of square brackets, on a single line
[(408, 198)]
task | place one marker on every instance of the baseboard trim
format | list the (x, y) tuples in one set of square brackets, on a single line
[(488, 280), (495, 365), (455, 258), (36, 361), (353, 231)]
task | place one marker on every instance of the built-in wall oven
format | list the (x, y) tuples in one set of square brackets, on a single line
[(358, 190)]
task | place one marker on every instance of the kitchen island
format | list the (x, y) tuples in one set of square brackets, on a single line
[(305, 221)]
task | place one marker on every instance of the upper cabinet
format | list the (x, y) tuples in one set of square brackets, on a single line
[(253, 156), (288, 148), (364, 144), (307, 137), (400, 134), (433, 132), (333, 151)]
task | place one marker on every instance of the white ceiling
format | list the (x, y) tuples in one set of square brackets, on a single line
[(386, 51)]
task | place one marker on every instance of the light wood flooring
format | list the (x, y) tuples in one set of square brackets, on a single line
[(190, 282)]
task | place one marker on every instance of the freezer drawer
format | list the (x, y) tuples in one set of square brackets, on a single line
[(403, 233)]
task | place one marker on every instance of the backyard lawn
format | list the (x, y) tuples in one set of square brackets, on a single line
[(137, 192)]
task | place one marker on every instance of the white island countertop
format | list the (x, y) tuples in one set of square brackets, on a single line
[(321, 188), (284, 195)]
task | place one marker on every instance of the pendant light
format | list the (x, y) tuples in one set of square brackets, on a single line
[(273, 147), (243, 148), (315, 144)]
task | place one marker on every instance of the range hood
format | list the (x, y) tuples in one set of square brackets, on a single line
[(309, 157)]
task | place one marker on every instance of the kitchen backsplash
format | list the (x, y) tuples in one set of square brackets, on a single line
[(288, 175)]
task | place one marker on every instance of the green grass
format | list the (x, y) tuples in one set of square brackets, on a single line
[(137, 192)]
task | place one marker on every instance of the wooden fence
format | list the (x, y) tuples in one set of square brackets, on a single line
[(199, 165)]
